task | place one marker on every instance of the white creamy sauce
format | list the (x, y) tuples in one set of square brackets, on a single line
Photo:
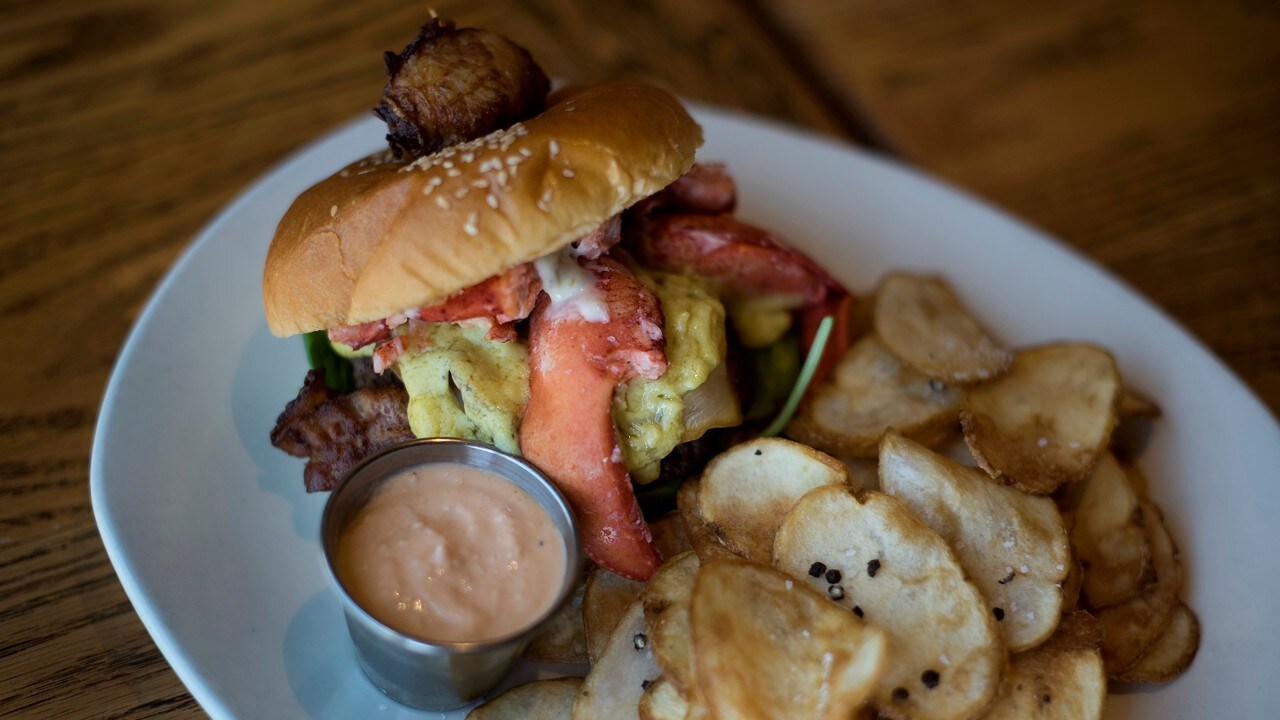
[(571, 288)]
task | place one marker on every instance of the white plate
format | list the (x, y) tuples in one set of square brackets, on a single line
[(215, 541)]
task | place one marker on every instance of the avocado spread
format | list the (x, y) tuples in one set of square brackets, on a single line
[(464, 386), (650, 413)]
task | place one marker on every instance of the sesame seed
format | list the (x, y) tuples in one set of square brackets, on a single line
[(554, 148), (480, 184), (443, 202), (448, 163), (468, 157), (567, 172), (639, 641), (453, 172), (428, 188), (470, 226), (462, 192), (836, 592), (502, 178), (333, 211), (491, 201), (543, 207), (1042, 442), (525, 152)]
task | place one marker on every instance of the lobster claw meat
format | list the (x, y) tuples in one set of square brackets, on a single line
[(742, 260), (567, 430)]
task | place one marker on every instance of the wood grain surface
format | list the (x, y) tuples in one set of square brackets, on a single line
[(1145, 134)]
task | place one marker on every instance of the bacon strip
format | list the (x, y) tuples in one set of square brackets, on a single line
[(567, 429), (337, 431)]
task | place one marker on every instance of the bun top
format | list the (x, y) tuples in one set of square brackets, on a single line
[(383, 236)]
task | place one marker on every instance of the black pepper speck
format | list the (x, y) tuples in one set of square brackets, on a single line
[(930, 678), (857, 610), (759, 453), (833, 576), (836, 592), (900, 694), (816, 569), (1007, 578), (873, 567), (640, 641), (999, 613)]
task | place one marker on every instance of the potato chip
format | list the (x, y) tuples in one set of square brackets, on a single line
[(920, 320), (1134, 625), (1012, 545), (1060, 680), (870, 392), (666, 618), (1135, 404), (704, 542), (1047, 420), (620, 674), (563, 638), (866, 551), (1071, 586), (537, 700), (606, 597), (1171, 654), (864, 473), (661, 701), (767, 647), (746, 490), (669, 535), (1109, 538)]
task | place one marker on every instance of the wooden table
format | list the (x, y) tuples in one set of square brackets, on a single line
[(1145, 134)]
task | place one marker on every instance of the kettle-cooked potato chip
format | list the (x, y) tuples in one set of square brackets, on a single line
[(1171, 654), (537, 700), (746, 490), (768, 647), (870, 392), (605, 599), (1109, 538), (866, 551), (661, 701), (1012, 545), (620, 674), (920, 320), (1135, 624), (1059, 680), (1047, 420), (666, 615)]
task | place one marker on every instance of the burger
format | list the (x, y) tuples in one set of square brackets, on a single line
[(549, 273)]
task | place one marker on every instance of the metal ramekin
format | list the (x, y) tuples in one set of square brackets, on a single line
[(428, 674)]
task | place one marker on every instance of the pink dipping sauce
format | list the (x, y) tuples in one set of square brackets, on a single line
[(452, 553)]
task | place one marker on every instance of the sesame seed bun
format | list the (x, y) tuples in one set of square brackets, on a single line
[(383, 236)]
